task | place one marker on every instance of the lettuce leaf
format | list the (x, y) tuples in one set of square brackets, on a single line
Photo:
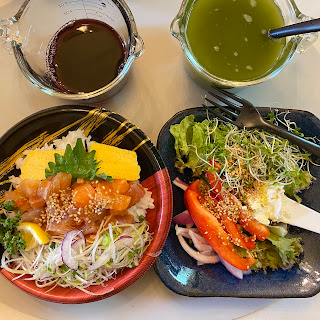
[(194, 143), (276, 252), (302, 180), (182, 133)]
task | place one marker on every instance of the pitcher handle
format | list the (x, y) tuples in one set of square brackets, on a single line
[(139, 49), (5, 32), (18, 15), (8, 27), (174, 27), (307, 39)]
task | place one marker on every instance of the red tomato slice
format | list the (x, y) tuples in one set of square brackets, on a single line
[(215, 184), (237, 238), (250, 241), (253, 226), (212, 230), (215, 164), (231, 227)]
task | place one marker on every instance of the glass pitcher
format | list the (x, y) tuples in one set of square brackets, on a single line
[(291, 14), (29, 32)]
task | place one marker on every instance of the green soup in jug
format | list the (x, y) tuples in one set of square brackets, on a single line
[(229, 38)]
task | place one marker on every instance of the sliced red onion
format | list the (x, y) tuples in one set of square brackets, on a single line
[(245, 273), (208, 252), (154, 254), (198, 244), (103, 259), (126, 240), (79, 243), (179, 183), (184, 231), (183, 218), (197, 255), (199, 237), (66, 249), (233, 270), (123, 237), (131, 250), (205, 253)]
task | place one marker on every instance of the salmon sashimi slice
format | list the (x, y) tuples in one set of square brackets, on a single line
[(19, 198), (83, 194), (136, 192), (35, 215), (60, 207), (117, 186)]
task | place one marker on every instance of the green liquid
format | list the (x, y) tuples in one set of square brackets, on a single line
[(229, 38)]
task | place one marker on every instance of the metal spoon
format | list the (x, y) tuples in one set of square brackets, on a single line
[(294, 29)]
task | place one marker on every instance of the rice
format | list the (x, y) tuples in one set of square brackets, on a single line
[(71, 138), (140, 208)]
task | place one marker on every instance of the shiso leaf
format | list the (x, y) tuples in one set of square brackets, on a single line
[(78, 162)]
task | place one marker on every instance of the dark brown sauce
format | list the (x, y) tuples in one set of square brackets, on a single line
[(85, 55)]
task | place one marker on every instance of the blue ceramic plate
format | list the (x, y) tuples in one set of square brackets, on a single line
[(179, 271)]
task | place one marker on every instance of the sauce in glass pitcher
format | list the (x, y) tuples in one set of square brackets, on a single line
[(229, 38), (85, 55)]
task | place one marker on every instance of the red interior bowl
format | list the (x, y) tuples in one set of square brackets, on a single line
[(100, 124)]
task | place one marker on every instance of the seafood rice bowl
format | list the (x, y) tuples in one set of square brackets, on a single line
[(77, 214)]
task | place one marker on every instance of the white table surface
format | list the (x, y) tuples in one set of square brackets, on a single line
[(157, 88)]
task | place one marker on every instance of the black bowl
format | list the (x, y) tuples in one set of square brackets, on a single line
[(103, 126)]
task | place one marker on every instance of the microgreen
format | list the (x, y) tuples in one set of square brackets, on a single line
[(245, 155)]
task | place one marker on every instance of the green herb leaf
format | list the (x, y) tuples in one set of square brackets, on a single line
[(271, 116), (105, 241), (64, 268), (75, 273), (10, 237), (103, 176), (78, 162), (9, 206)]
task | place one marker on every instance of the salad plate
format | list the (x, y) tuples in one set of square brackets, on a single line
[(113, 129), (180, 273)]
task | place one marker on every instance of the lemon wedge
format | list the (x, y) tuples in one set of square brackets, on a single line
[(32, 234)]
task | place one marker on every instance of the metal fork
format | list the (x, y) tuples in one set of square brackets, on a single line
[(246, 115)]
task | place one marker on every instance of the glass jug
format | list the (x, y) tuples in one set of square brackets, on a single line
[(291, 14), (29, 32)]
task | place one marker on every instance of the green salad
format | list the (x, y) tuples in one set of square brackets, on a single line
[(244, 157)]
